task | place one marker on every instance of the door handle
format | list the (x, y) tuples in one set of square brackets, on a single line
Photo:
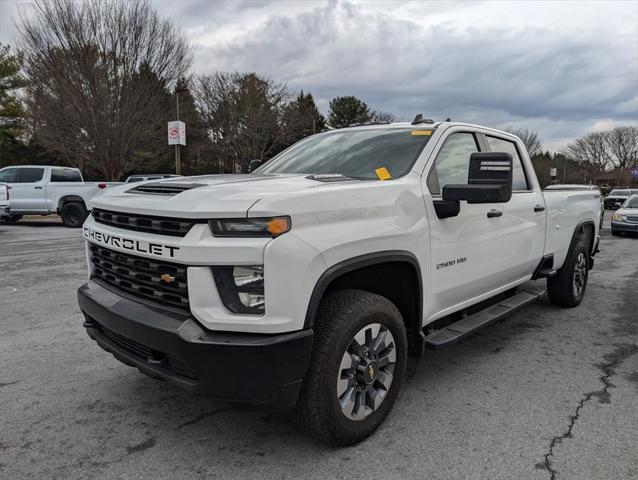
[(539, 208), (494, 213), (38, 188)]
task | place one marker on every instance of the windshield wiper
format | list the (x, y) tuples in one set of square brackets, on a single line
[(333, 177)]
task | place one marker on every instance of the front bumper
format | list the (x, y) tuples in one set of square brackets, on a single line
[(234, 367), (624, 226)]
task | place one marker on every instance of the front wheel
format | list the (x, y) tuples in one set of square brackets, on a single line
[(567, 287), (356, 369), (73, 214)]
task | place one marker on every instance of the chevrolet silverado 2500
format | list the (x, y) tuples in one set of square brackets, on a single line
[(43, 190), (309, 282)]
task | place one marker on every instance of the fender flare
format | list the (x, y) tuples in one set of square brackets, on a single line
[(579, 226), (68, 199), (355, 263)]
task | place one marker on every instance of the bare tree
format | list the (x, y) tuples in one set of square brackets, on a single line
[(590, 152), (99, 73), (242, 112), (621, 144), (382, 117), (529, 138)]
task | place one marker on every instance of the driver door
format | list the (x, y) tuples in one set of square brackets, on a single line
[(465, 250)]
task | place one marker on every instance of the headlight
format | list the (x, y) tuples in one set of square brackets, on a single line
[(241, 288), (616, 217), (250, 227)]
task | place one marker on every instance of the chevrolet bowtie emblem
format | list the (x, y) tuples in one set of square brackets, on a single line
[(167, 278)]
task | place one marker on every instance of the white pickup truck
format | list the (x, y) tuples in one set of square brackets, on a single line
[(308, 283), (43, 190), (4, 199)]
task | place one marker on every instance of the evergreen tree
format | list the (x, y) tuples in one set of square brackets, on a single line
[(346, 111), (11, 109), (301, 118)]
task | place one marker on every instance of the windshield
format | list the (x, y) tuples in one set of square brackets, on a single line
[(631, 202), (364, 154), (619, 193)]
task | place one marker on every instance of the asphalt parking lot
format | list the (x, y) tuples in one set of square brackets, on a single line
[(547, 393)]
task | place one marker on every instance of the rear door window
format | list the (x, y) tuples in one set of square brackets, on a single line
[(65, 175), (9, 175), (30, 175), (519, 179)]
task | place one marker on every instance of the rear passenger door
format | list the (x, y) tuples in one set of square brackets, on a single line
[(523, 221), (466, 249)]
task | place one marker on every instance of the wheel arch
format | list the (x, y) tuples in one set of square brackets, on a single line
[(68, 199), (585, 228), (372, 272)]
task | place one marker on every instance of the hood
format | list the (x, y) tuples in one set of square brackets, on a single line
[(206, 196), (627, 211)]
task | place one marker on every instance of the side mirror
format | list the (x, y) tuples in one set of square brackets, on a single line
[(253, 165), (489, 180)]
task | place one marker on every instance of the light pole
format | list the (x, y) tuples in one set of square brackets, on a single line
[(178, 161), (179, 88)]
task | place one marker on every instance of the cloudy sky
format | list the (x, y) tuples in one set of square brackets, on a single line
[(561, 68)]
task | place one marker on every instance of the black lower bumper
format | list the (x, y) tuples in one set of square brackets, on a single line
[(624, 226), (232, 367)]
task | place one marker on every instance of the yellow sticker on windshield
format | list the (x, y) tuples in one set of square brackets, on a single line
[(421, 132), (383, 174)]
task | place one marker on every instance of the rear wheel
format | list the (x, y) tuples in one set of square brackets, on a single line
[(12, 218), (567, 287), (73, 214), (356, 369)]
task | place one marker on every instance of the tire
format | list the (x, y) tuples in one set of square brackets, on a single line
[(615, 233), (567, 287), (10, 219), (73, 214), (343, 315)]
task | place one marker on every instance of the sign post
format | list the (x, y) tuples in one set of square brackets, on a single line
[(177, 137)]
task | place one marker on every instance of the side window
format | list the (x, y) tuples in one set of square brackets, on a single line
[(30, 175), (65, 175), (9, 175), (452, 162), (519, 179)]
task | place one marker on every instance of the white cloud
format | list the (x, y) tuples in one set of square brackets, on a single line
[(562, 68)]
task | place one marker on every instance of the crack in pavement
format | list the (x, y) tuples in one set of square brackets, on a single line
[(614, 359), (203, 416)]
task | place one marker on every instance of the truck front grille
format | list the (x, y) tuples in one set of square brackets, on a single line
[(632, 218), (160, 282), (174, 227)]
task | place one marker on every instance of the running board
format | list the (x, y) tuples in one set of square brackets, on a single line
[(470, 324)]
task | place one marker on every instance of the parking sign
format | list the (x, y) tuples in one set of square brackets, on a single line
[(176, 133)]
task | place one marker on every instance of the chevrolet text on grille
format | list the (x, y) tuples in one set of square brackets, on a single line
[(128, 244)]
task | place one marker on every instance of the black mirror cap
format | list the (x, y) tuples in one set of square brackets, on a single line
[(478, 193), (490, 168), (254, 165), (447, 208), (489, 180)]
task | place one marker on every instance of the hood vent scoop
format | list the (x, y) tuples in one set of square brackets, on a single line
[(166, 189)]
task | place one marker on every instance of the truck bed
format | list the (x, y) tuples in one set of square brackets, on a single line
[(566, 208)]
